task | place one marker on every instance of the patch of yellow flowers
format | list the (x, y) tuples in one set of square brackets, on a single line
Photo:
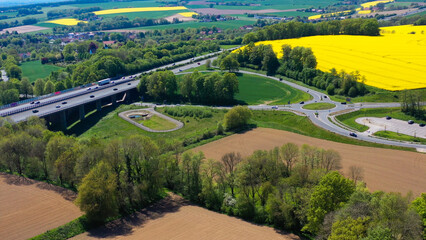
[(393, 61), (374, 3), (188, 14), (66, 21), (143, 9), (326, 15)]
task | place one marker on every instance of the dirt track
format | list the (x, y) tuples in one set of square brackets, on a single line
[(174, 218), (384, 169), (29, 208)]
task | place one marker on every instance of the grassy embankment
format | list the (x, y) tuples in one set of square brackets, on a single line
[(319, 106), (349, 118), (157, 123), (34, 70), (399, 136)]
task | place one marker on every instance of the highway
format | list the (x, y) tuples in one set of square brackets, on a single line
[(321, 119)]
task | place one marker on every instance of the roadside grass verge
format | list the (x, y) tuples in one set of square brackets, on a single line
[(399, 136), (302, 125), (319, 106), (68, 230), (34, 70), (228, 46), (349, 118), (157, 123)]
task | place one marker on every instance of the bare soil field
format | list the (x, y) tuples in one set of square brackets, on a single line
[(180, 17), (175, 218), (24, 29), (29, 208), (384, 169), (215, 11)]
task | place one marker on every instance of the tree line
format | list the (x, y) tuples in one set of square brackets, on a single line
[(298, 63), (293, 29)]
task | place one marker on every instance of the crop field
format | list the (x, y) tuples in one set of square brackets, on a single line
[(374, 3), (66, 21), (232, 24), (29, 207), (147, 15), (34, 70), (260, 90), (178, 219), (384, 169), (391, 62), (141, 9)]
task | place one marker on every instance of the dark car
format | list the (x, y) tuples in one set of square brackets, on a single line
[(115, 89), (352, 134), (388, 118), (325, 97), (92, 96), (35, 111), (129, 83), (410, 121), (302, 102), (344, 103), (421, 124), (281, 79), (37, 102), (32, 103), (64, 102), (58, 106)]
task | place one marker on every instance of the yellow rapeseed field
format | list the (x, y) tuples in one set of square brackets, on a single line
[(364, 12), (66, 21), (374, 3), (325, 15), (405, 29), (392, 62), (188, 14), (143, 9)]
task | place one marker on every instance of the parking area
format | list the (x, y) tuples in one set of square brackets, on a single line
[(394, 125)]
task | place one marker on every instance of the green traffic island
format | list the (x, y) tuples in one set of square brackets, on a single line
[(399, 137), (319, 106), (150, 120)]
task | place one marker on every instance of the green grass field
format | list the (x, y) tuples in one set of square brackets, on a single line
[(147, 15), (292, 14), (319, 106), (157, 123), (349, 118), (260, 90), (34, 70), (399, 136), (118, 4)]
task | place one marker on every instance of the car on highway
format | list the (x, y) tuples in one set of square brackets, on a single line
[(92, 96), (115, 89), (388, 118), (64, 102), (421, 124), (410, 121), (325, 97), (302, 102), (32, 103), (112, 82), (199, 63), (129, 83), (37, 102), (281, 79), (89, 89), (352, 134), (274, 107), (58, 106), (96, 87), (35, 111), (344, 103)]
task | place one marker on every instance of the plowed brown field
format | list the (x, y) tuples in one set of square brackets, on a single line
[(29, 208), (384, 169), (177, 219)]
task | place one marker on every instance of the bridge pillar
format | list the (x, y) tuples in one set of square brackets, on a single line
[(127, 96), (81, 112), (114, 100), (98, 105), (62, 120)]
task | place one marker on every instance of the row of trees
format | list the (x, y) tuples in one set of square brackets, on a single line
[(293, 29), (299, 63), (196, 87), (412, 103)]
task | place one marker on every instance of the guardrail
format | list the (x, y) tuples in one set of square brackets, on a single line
[(5, 114)]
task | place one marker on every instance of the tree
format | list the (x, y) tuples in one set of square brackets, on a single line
[(419, 205), (356, 173), (49, 87), (349, 229), (330, 89), (208, 63), (270, 61), (229, 162), (237, 117), (330, 194), (330, 160), (26, 87), (289, 154), (97, 194), (39, 87), (379, 233), (13, 71), (229, 63)]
